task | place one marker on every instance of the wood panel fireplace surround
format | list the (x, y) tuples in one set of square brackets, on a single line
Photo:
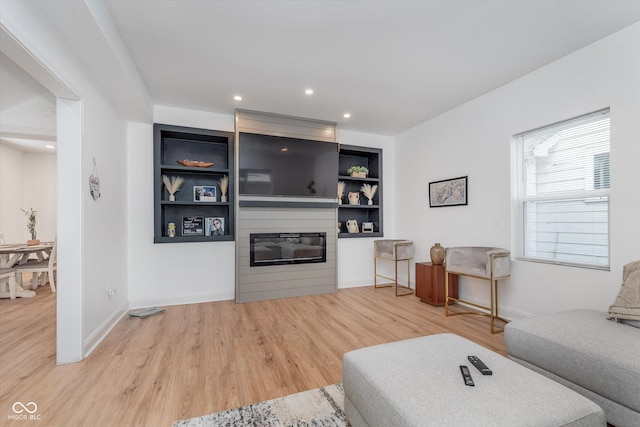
[(286, 244)]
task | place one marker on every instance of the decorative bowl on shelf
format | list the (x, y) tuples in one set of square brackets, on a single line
[(195, 163)]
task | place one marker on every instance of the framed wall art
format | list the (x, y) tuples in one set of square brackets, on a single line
[(448, 192)]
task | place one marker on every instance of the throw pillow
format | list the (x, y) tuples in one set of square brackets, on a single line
[(626, 307)]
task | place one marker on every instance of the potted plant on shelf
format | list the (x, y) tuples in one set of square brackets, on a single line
[(173, 185), (31, 225), (358, 171)]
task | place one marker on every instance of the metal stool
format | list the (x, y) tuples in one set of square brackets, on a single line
[(393, 250)]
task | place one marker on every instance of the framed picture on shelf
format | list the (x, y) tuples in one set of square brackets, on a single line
[(204, 193), (448, 192), (214, 226), (192, 226)]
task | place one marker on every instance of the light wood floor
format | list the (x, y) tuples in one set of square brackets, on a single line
[(202, 358)]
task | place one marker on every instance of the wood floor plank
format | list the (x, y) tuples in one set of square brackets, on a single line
[(201, 358)]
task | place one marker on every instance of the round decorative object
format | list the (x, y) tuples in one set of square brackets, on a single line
[(437, 254)]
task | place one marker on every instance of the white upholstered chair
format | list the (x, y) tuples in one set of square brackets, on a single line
[(484, 263), (45, 269), (395, 251)]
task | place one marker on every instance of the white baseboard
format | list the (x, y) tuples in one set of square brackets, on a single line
[(103, 330), (183, 299), (506, 312), (355, 283)]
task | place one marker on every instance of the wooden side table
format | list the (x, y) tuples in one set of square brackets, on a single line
[(430, 283)]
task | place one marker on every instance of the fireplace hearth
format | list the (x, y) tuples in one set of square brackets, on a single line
[(287, 248)]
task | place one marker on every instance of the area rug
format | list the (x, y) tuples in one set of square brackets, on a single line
[(319, 407)]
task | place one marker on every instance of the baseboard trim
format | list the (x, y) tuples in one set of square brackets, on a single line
[(506, 312), (185, 299), (103, 330)]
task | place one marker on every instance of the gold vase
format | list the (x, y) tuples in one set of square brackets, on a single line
[(437, 254)]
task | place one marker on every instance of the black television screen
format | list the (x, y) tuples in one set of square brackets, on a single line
[(279, 166)]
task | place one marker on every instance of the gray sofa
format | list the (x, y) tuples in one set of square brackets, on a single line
[(581, 349)]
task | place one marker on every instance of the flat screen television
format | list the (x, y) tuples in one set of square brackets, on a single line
[(280, 166)]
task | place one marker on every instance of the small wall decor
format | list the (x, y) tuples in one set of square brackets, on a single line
[(367, 227), (358, 171), (173, 185), (192, 226), (214, 227), (341, 186), (224, 186), (94, 182), (354, 198), (204, 193), (369, 191), (448, 192)]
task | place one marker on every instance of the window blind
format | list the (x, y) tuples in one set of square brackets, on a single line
[(563, 174)]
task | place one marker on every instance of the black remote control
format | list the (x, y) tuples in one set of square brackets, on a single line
[(479, 364), (466, 375)]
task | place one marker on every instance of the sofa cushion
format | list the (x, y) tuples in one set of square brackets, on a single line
[(584, 348)]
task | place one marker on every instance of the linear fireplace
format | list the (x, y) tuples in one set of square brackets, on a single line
[(287, 248)]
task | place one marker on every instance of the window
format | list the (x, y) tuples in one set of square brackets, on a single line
[(562, 192)]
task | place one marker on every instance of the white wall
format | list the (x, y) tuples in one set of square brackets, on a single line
[(475, 139), (27, 179), (101, 261), (163, 274), (355, 256)]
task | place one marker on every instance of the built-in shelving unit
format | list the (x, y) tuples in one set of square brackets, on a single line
[(371, 158), (194, 219)]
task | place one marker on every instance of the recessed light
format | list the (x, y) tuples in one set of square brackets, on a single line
[(309, 91), (346, 115), (50, 146), (237, 98), (284, 149)]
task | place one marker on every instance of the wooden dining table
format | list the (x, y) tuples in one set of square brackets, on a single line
[(12, 254)]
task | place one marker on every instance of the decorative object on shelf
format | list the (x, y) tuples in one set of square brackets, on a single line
[(224, 185), (437, 254), (448, 192), (192, 226), (341, 186), (369, 191), (339, 227), (195, 163), (94, 182), (173, 185), (204, 193), (352, 226), (367, 227), (354, 198), (358, 171), (214, 227), (31, 225), (171, 229)]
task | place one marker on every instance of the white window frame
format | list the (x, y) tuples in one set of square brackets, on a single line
[(521, 198)]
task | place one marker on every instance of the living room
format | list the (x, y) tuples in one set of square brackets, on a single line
[(109, 243)]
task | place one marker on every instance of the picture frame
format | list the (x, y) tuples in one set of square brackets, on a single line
[(192, 226), (448, 192), (367, 227), (204, 193), (214, 226)]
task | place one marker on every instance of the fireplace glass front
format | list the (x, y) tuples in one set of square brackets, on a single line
[(287, 248)]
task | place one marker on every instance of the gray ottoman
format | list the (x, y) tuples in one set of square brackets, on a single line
[(417, 382)]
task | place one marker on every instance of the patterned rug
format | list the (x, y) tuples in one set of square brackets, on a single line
[(319, 407)]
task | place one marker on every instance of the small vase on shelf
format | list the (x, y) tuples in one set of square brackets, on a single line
[(223, 198), (172, 198), (437, 254)]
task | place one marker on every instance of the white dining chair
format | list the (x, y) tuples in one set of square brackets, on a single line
[(2, 239), (45, 269), (8, 275)]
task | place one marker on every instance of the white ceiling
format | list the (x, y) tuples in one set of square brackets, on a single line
[(391, 64), (27, 110)]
